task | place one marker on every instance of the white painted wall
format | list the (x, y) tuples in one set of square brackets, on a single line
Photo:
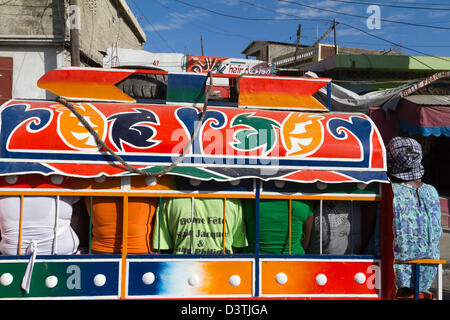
[(29, 64)]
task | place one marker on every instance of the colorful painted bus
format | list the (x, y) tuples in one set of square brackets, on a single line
[(132, 139)]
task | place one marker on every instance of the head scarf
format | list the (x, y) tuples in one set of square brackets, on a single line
[(404, 156)]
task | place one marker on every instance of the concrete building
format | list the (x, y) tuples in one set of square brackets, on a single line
[(35, 37), (293, 59), (269, 50), (363, 73)]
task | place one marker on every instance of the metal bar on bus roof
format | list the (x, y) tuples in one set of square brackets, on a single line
[(320, 226), (439, 282), (224, 222), (124, 245), (352, 220), (19, 245), (329, 96), (258, 187), (159, 225), (191, 233), (90, 223), (290, 221), (55, 237), (416, 281)]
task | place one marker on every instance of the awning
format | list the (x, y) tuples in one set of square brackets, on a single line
[(425, 115), (45, 137)]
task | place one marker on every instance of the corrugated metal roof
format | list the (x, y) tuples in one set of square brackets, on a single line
[(433, 100)]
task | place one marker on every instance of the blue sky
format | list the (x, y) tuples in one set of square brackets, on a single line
[(227, 27)]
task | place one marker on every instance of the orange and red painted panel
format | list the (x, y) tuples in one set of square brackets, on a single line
[(190, 278), (44, 137), (280, 92), (320, 278)]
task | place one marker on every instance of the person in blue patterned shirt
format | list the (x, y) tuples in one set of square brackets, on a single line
[(417, 215)]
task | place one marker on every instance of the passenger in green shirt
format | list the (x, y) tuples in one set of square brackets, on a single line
[(274, 225), (195, 226)]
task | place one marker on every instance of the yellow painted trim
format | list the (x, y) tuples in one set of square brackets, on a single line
[(322, 197), (163, 194), (423, 261)]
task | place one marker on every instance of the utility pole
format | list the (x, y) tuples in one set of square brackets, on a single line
[(335, 40), (299, 32), (74, 23), (201, 43), (325, 34)]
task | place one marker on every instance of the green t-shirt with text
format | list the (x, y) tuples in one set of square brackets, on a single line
[(195, 225)]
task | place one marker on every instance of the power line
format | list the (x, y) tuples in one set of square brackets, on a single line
[(369, 34), (240, 17), (154, 29), (391, 5), (217, 31), (393, 43), (285, 14), (409, 2), (342, 23), (358, 16)]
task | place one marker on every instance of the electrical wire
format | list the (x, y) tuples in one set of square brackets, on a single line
[(390, 5), (153, 27), (393, 43), (210, 28), (363, 17), (368, 33), (409, 2), (240, 17)]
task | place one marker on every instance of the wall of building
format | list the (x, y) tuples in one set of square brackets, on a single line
[(32, 19), (276, 50), (35, 33), (29, 64), (105, 25)]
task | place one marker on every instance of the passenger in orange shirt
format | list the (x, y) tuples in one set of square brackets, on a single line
[(107, 224)]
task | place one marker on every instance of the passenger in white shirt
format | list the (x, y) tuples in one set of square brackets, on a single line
[(42, 218)]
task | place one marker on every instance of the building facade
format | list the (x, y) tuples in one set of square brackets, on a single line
[(35, 37)]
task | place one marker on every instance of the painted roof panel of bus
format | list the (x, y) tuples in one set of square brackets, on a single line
[(45, 137)]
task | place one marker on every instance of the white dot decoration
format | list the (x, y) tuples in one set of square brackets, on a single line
[(281, 278), (321, 185), (361, 185), (100, 280), (51, 281), (360, 278), (280, 184), (235, 182), (6, 279), (321, 279), (150, 181), (11, 179), (57, 179), (235, 280), (148, 278), (195, 182), (193, 280), (100, 179)]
